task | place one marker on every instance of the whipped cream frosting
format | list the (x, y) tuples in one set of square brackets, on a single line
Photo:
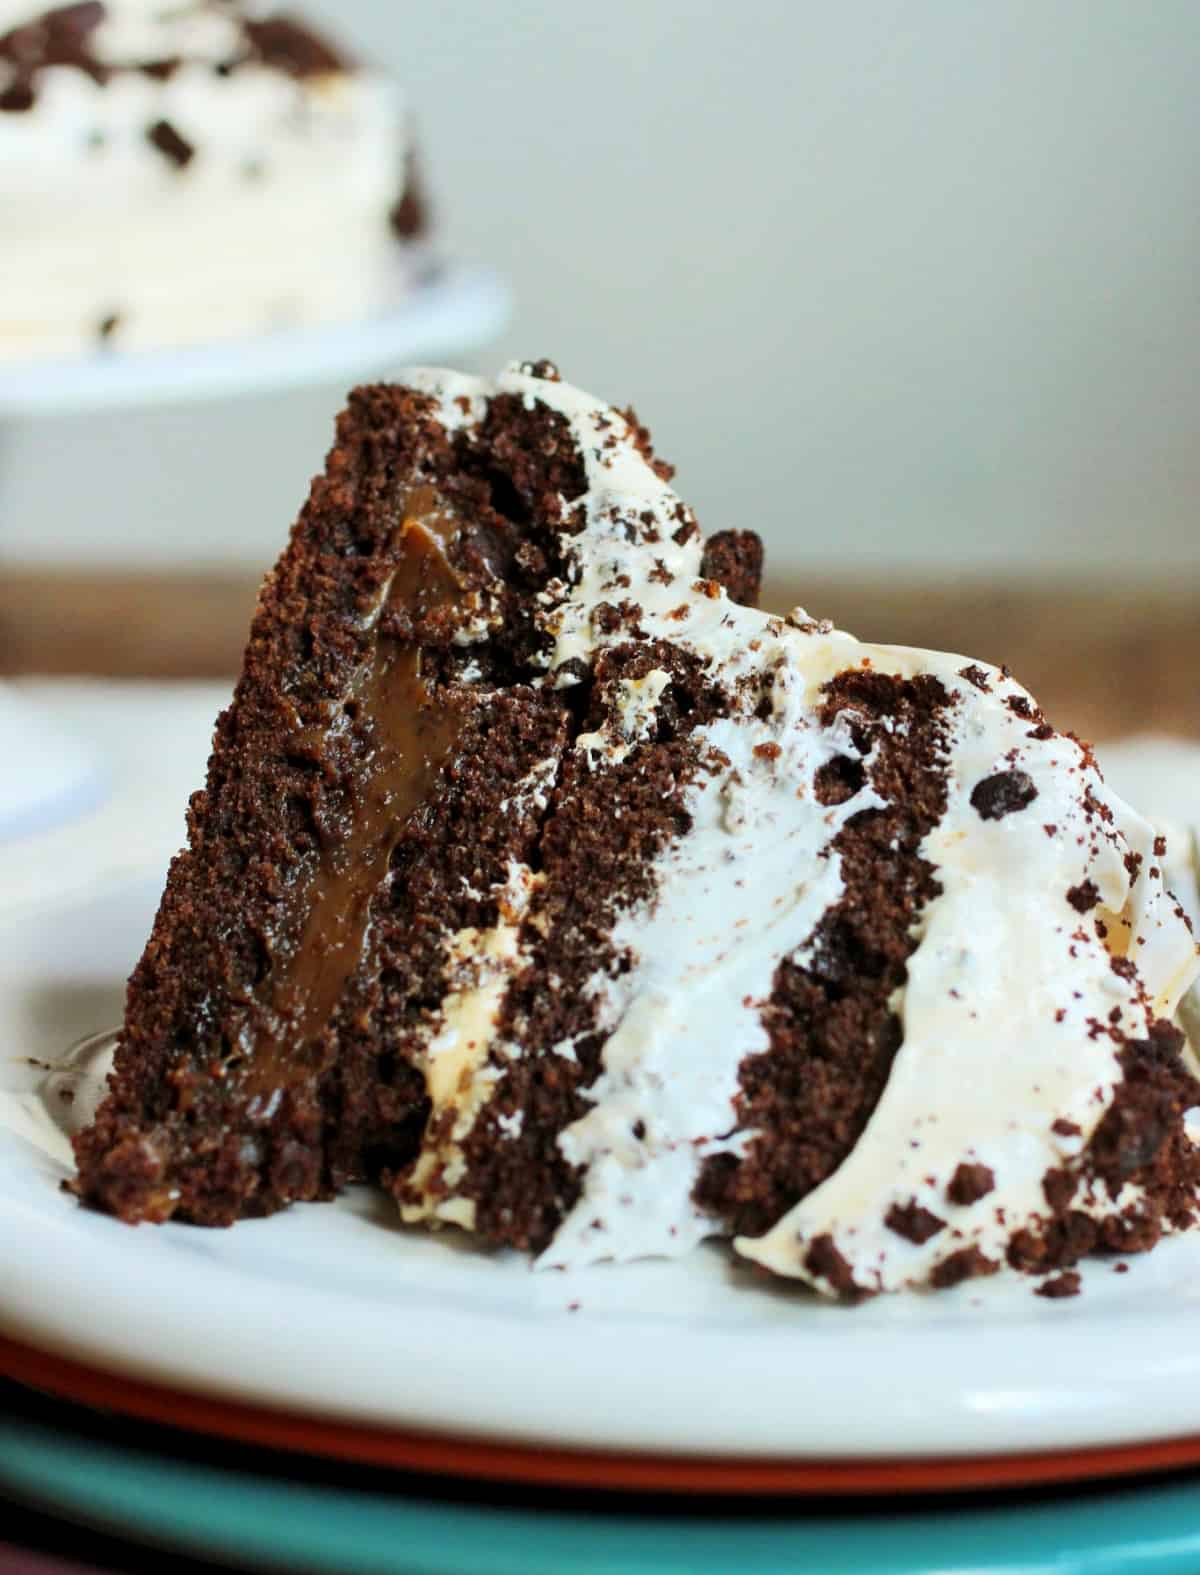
[(1006, 1060), (198, 202)]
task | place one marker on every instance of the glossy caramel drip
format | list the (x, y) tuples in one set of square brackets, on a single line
[(413, 733)]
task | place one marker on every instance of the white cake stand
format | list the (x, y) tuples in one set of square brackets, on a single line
[(46, 776)]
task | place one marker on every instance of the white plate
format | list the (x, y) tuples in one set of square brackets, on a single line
[(142, 745), (337, 1310), (47, 775), (458, 308)]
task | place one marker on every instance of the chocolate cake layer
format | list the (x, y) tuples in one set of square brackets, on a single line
[(831, 1017)]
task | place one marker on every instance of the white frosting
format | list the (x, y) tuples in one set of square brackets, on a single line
[(1161, 775), (1011, 989), (279, 219), (459, 1079), (728, 908), (1002, 996)]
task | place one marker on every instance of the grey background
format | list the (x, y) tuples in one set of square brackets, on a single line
[(910, 287)]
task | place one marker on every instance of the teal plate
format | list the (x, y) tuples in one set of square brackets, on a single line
[(271, 1522)]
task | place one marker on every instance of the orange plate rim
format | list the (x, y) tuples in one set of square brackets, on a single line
[(487, 1460)]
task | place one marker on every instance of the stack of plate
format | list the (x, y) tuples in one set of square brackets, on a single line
[(326, 1390)]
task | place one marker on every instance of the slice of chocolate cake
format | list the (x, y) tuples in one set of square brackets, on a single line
[(542, 878)]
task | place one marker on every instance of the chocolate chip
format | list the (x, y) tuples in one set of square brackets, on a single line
[(75, 21), (543, 369), (166, 139), (1003, 793), (573, 671)]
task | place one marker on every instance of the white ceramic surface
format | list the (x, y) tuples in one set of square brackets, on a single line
[(47, 774), (457, 309), (145, 744)]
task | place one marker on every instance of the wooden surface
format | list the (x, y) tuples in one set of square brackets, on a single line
[(1101, 660)]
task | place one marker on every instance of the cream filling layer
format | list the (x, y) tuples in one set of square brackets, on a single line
[(455, 1061)]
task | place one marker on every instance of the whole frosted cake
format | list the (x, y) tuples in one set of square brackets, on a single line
[(542, 879), (174, 171)]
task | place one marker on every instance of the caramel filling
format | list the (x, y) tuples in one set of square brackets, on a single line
[(413, 733)]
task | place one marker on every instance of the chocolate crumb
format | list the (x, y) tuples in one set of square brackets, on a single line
[(734, 558), (410, 214), (974, 674), (291, 47), (970, 1182), (17, 98), (1065, 1284), (1059, 1186), (827, 1263), (966, 1264), (543, 369), (913, 1222), (1084, 897)]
